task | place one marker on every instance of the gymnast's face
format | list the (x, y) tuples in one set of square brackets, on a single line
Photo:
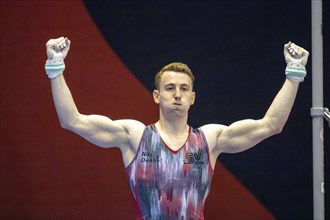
[(175, 93)]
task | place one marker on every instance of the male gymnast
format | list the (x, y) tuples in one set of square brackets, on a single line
[(169, 165)]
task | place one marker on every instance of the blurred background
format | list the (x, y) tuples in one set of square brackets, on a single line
[(235, 50)]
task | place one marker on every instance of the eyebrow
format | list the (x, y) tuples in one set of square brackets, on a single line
[(180, 85), (173, 84)]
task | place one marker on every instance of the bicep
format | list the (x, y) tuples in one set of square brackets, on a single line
[(243, 135), (100, 130)]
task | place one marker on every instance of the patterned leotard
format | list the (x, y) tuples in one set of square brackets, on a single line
[(169, 184)]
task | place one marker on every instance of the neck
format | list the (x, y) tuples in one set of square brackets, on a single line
[(173, 126)]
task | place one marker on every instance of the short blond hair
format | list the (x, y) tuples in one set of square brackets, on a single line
[(175, 67)]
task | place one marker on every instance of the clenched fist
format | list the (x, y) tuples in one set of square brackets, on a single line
[(296, 58), (57, 50), (295, 53)]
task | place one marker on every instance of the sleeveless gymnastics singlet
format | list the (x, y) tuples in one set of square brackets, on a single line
[(169, 184)]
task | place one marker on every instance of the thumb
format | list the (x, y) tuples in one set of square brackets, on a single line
[(67, 48), (305, 55), (286, 53), (50, 51)]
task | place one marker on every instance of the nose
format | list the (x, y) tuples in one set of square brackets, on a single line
[(177, 94)]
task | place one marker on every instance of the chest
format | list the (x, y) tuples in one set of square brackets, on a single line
[(174, 144), (155, 161), (170, 184)]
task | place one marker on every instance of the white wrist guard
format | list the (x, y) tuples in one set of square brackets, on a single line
[(295, 71), (54, 67)]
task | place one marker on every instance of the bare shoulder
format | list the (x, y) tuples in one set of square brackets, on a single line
[(212, 132), (130, 123), (133, 128)]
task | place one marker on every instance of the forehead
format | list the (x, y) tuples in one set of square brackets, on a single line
[(171, 77)]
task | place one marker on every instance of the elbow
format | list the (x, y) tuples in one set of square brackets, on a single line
[(69, 123), (65, 125), (74, 123), (276, 129)]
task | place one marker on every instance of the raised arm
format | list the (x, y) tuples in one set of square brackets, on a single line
[(100, 130), (97, 129), (245, 134)]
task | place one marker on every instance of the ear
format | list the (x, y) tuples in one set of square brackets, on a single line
[(155, 94), (193, 97)]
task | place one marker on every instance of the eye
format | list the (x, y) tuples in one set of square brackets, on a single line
[(184, 88)]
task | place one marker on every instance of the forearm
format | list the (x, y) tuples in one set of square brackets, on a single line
[(279, 111), (296, 58), (65, 107), (245, 134)]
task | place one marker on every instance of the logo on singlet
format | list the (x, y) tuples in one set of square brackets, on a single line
[(147, 157), (194, 158)]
